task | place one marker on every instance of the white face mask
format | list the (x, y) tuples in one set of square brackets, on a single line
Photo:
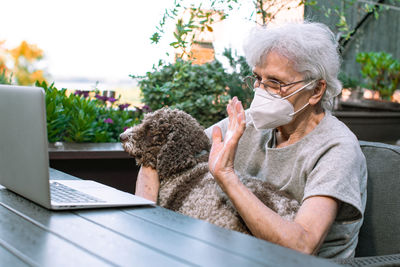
[(268, 112)]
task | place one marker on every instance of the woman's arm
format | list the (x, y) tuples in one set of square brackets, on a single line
[(147, 183), (305, 234), (313, 221)]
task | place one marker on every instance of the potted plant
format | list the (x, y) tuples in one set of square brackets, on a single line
[(373, 119), (199, 90), (86, 117), (351, 88), (203, 91), (381, 73)]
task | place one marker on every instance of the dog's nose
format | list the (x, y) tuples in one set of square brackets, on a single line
[(123, 137)]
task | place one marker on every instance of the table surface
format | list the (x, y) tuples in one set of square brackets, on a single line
[(139, 236)]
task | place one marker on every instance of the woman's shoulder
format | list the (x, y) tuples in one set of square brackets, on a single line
[(331, 129)]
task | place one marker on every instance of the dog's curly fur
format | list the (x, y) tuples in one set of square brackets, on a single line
[(175, 145)]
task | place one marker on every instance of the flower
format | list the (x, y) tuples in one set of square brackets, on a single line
[(85, 94), (146, 109), (108, 120), (111, 99), (100, 97), (123, 106)]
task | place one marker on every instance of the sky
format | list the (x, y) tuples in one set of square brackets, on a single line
[(100, 40)]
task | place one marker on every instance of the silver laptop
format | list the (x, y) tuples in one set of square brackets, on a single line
[(24, 163)]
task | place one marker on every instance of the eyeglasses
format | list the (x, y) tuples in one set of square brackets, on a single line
[(273, 87)]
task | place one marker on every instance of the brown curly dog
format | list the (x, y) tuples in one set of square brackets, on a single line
[(175, 145)]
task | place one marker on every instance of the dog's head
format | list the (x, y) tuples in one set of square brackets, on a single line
[(167, 140)]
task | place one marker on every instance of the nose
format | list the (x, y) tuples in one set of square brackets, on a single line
[(123, 137)]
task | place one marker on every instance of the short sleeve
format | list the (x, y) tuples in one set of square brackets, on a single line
[(340, 172), (223, 124)]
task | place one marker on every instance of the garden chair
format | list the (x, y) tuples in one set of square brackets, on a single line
[(379, 238)]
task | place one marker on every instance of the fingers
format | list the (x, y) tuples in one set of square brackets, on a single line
[(238, 124), (232, 112), (223, 150), (236, 113), (216, 135), (215, 152), (240, 114), (229, 110)]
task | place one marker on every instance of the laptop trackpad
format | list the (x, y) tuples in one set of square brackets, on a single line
[(101, 191)]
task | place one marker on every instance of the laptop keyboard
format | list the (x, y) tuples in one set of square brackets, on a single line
[(64, 194)]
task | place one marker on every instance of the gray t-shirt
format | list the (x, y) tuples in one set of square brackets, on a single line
[(326, 162)]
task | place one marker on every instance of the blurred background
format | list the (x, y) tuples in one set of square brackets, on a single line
[(78, 44), (87, 44), (140, 56)]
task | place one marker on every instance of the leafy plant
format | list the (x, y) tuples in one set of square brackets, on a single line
[(80, 118), (200, 90), (347, 81), (341, 13), (381, 71), (204, 14), (234, 80), (200, 20)]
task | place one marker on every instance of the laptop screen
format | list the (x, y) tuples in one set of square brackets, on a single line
[(24, 164)]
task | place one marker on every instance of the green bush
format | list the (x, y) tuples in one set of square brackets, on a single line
[(347, 81), (381, 71), (240, 69), (79, 118), (199, 90), (203, 91), (3, 77)]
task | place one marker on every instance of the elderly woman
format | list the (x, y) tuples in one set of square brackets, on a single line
[(289, 138)]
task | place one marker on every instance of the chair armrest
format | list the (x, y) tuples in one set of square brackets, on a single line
[(386, 260)]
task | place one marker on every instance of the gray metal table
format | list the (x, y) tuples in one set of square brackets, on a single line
[(140, 236)]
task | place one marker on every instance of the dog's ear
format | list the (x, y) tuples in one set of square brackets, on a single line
[(186, 145), (175, 156), (139, 146)]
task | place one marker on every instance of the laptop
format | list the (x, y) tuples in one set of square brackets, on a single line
[(24, 160)]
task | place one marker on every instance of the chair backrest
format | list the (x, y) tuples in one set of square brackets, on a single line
[(380, 232)]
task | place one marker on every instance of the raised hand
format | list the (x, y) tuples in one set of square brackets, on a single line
[(223, 152)]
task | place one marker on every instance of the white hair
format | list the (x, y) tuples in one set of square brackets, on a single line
[(311, 47)]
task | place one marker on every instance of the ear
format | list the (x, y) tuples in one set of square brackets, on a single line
[(141, 147), (175, 155), (318, 92)]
